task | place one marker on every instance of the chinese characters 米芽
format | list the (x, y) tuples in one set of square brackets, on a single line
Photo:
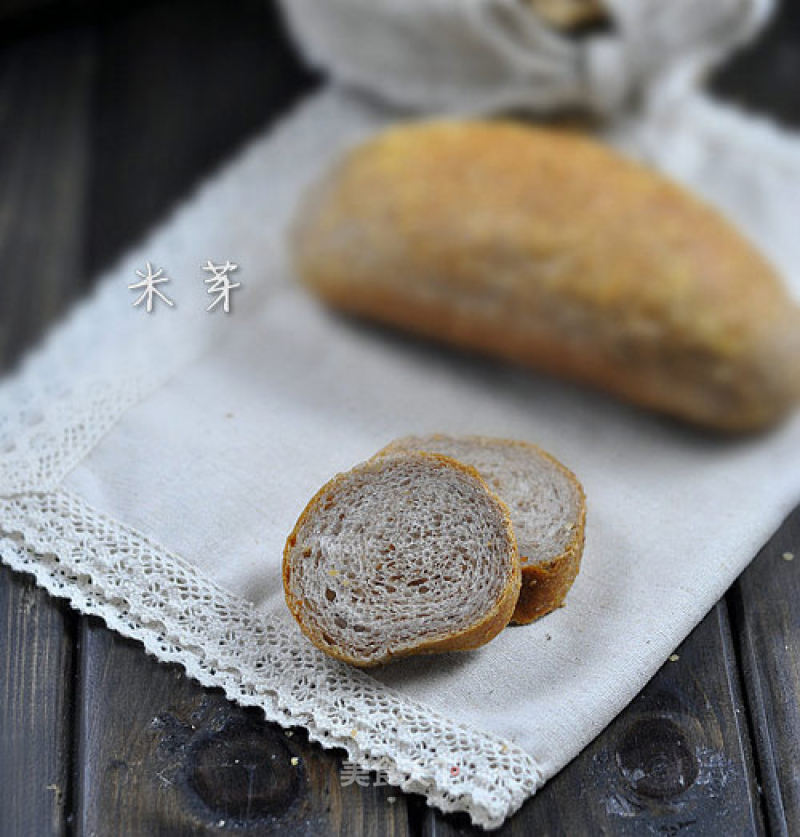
[(219, 281)]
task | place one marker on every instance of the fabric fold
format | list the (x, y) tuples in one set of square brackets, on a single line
[(485, 56)]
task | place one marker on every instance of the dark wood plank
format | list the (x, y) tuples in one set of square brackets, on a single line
[(676, 760), (763, 76), (181, 86), (36, 647), (158, 754), (43, 153), (46, 87), (767, 621), (764, 602)]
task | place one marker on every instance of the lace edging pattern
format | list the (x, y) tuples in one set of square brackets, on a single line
[(223, 641)]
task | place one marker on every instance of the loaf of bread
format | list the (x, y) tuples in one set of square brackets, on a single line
[(546, 503), (402, 555), (547, 249)]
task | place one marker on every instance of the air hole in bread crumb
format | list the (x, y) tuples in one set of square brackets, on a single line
[(359, 628), (330, 595), (416, 582), (340, 621), (307, 552)]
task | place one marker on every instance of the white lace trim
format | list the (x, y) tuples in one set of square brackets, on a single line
[(144, 592), (89, 370)]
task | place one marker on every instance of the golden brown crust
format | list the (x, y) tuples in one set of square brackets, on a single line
[(545, 248), (473, 636), (545, 584)]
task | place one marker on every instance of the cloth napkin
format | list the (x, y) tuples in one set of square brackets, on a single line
[(152, 464), (479, 55)]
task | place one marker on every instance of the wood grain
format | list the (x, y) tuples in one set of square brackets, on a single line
[(180, 87), (676, 760), (36, 647), (44, 128), (767, 620), (158, 754), (44, 125)]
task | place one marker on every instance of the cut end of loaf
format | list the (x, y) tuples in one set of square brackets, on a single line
[(402, 556)]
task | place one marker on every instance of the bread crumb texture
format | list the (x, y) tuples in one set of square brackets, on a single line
[(546, 503), (402, 555)]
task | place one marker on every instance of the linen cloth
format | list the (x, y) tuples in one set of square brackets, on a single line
[(478, 55), (153, 464)]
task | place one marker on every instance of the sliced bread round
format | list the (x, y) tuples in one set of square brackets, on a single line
[(547, 505), (403, 555)]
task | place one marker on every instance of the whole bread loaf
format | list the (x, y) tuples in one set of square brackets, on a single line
[(546, 248), (546, 503), (402, 555)]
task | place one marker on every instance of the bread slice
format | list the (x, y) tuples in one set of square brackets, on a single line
[(547, 505), (403, 555)]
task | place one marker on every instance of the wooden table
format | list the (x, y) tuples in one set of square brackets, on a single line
[(105, 121)]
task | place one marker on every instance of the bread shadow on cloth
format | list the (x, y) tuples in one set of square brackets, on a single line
[(546, 393), (542, 657), (428, 668), (440, 667)]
